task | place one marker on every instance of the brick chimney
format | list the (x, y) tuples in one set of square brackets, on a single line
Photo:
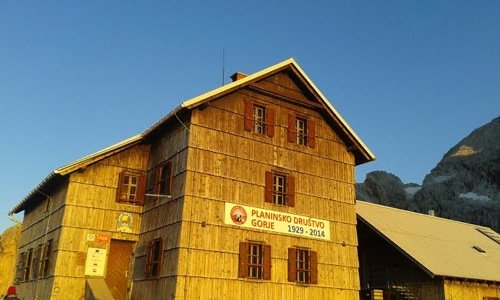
[(237, 76)]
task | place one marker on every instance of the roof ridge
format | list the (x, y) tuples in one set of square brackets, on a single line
[(422, 214)]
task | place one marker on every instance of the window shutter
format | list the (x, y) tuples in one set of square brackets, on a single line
[(243, 262), (149, 256), (267, 263), (292, 131), (268, 192), (292, 264), (171, 178), (156, 187), (270, 120), (248, 125), (119, 187), (290, 190), (311, 133), (141, 189), (160, 259), (314, 267)]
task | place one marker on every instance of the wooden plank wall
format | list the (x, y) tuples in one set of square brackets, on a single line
[(87, 205), (454, 289), (162, 216), (228, 164), (40, 224)]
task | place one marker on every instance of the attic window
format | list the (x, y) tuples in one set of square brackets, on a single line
[(479, 249)]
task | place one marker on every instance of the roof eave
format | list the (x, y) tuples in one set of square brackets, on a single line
[(41, 188), (396, 246)]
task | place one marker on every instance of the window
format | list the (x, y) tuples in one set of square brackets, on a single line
[(20, 267), (280, 189), (27, 265), (36, 261), (259, 119), (255, 261), (301, 127), (301, 131), (45, 259), (154, 258), (302, 266), (131, 187), (163, 183)]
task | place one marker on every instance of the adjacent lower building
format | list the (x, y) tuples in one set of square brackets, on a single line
[(406, 255), (243, 192)]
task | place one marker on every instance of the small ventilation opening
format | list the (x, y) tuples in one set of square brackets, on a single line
[(479, 249)]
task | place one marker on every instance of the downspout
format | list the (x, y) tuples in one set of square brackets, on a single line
[(11, 217)]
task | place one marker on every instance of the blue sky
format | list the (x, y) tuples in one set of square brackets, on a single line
[(411, 77)]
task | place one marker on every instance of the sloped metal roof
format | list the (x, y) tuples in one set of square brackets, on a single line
[(73, 166), (442, 247)]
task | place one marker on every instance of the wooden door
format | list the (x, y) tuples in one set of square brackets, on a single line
[(118, 268)]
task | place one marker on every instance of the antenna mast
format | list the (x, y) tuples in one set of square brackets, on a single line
[(223, 65)]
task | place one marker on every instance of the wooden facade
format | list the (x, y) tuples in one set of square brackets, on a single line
[(79, 214), (197, 161)]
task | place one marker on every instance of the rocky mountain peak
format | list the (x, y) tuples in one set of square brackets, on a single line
[(464, 185)]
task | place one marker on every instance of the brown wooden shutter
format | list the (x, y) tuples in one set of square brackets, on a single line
[(292, 130), (248, 125), (160, 259), (268, 192), (290, 190), (311, 133), (149, 254), (243, 262), (267, 263), (141, 189), (270, 120), (119, 187), (171, 178), (314, 267), (292, 264)]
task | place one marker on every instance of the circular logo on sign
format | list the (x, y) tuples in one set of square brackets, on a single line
[(238, 215)]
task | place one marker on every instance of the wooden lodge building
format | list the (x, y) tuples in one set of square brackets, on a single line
[(406, 255), (243, 192)]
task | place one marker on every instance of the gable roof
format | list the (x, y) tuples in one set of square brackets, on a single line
[(440, 246), (361, 151)]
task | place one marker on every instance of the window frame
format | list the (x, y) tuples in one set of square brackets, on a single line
[(301, 131), (36, 262), (302, 265), (259, 119), (165, 183), (272, 192), (304, 136), (28, 265), (264, 125), (154, 258), (123, 193), (45, 259), (252, 265), (20, 267)]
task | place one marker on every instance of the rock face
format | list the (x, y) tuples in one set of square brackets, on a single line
[(464, 185), (8, 255)]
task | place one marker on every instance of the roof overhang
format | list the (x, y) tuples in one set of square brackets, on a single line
[(44, 187), (361, 151)]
